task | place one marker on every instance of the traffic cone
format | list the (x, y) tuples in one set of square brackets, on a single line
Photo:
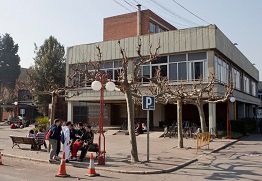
[(91, 172), (62, 168), (1, 162)]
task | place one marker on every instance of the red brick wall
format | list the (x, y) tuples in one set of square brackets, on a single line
[(118, 27), (123, 26)]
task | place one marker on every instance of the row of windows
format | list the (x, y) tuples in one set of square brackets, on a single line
[(183, 67), (186, 67), (223, 74)]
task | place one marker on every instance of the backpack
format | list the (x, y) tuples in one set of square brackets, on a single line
[(48, 134)]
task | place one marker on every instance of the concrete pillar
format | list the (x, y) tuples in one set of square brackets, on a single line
[(241, 111), (212, 118), (69, 111), (158, 115)]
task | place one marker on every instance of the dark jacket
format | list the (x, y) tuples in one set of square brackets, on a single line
[(80, 134), (72, 134), (89, 137), (55, 133)]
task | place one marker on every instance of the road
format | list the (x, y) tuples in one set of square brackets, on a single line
[(241, 161)]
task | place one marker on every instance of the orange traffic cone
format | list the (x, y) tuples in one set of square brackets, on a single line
[(1, 162), (91, 172), (62, 168)]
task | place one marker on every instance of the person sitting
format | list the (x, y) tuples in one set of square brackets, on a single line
[(31, 134), (144, 128), (80, 138), (72, 135), (40, 139), (139, 129), (88, 140)]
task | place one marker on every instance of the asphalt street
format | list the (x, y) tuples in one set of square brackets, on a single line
[(241, 161)]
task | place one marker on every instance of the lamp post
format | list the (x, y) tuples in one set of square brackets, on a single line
[(231, 99), (100, 85), (16, 106)]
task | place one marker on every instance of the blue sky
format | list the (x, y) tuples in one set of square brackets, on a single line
[(81, 21)]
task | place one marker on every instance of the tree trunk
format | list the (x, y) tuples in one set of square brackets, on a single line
[(52, 114), (53, 108), (201, 112), (131, 125), (179, 124)]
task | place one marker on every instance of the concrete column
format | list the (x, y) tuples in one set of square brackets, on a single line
[(241, 111), (158, 115), (212, 118), (69, 111)]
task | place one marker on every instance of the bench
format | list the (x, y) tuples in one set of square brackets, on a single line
[(23, 140)]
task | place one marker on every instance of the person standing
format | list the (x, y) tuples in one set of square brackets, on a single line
[(66, 140), (59, 141), (53, 139)]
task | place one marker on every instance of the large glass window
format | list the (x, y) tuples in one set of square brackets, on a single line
[(254, 88), (246, 84), (236, 78), (146, 73), (221, 69), (182, 71), (173, 71)]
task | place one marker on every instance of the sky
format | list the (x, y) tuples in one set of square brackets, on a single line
[(75, 22)]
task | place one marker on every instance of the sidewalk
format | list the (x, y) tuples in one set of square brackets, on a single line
[(164, 154)]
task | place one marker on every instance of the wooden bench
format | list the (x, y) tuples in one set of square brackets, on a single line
[(23, 140)]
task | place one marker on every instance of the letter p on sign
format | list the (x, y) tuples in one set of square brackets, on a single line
[(148, 103)]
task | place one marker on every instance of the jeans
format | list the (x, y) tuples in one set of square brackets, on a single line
[(53, 144)]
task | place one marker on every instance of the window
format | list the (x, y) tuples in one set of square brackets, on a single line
[(221, 69), (173, 71), (197, 70), (246, 84), (152, 27), (146, 73), (155, 28), (253, 88), (80, 114), (236, 78), (182, 71), (177, 58)]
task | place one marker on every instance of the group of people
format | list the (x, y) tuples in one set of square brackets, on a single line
[(140, 128), (71, 138), (39, 136)]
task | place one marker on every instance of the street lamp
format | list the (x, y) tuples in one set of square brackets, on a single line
[(16, 104), (98, 85)]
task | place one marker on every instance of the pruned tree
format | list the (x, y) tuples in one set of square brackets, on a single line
[(128, 82), (203, 93), (200, 94)]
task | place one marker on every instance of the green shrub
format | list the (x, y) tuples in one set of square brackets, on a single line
[(42, 122)]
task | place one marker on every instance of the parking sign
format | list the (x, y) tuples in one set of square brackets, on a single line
[(148, 103)]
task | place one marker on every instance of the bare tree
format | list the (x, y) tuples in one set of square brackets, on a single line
[(128, 82), (203, 93)]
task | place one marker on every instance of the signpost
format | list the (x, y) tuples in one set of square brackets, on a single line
[(22, 112), (148, 103)]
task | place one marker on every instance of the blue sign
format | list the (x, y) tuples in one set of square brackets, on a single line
[(148, 103)]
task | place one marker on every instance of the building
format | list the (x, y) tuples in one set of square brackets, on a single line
[(23, 97), (185, 54)]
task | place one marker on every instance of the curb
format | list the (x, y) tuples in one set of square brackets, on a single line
[(167, 170), (82, 165)]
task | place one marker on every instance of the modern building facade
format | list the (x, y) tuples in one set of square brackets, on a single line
[(184, 55)]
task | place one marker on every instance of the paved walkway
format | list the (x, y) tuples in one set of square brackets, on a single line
[(163, 151)]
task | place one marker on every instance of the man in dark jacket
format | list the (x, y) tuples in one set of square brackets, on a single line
[(53, 139), (88, 140)]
